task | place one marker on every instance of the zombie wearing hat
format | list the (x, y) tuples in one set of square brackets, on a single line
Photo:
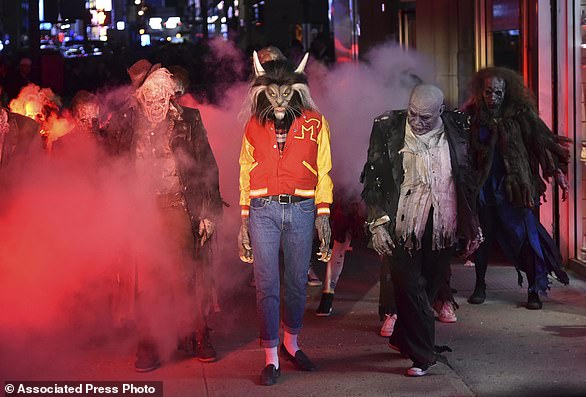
[(285, 191), (511, 145), (169, 143)]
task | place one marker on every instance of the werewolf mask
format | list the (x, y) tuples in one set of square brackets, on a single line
[(279, 92)]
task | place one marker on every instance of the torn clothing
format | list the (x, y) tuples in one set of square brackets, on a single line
[(191, 152), (427, 183), (384, 171), (20, 140), (524, 144)]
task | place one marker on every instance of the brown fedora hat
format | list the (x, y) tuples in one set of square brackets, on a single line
[(140, 70)]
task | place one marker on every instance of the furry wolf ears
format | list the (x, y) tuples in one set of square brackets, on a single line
[(259, 70)]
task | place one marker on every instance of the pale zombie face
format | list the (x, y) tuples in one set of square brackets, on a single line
[(493, 93), (155, 103), (34, 110), (87, 117), (423, 116)]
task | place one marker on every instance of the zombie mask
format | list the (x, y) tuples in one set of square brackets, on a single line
[(155, 104), (154, 95), (34, 110), (87, 117), (425, 109), (493, 93)]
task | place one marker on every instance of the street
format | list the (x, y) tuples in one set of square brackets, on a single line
[(499, 348)]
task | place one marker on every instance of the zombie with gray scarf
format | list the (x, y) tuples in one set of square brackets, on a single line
[(419, 189)]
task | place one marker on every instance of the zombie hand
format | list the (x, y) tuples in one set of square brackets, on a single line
[(206, 229), (562, 182), (244, 247), (473, 244), (324, 233), (382, 241)]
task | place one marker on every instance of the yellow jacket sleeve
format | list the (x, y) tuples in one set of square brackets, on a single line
[(246, 164), (324, 190)]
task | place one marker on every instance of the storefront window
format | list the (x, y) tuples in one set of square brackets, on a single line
[(581, 137), (506, 34)]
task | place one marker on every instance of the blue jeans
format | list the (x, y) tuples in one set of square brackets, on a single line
[(273, 225)]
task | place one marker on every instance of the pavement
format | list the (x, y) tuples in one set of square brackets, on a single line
[(499, 348)]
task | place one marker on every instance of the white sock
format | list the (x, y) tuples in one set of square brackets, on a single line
[(290, 342), (271, 356)]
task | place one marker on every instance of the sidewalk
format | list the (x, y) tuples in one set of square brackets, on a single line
[(499, 348)]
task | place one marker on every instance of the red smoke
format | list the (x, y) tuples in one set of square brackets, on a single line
[(72, 233)]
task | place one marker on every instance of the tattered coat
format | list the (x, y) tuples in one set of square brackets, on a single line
[(526, 144), (383, 172), (193, 156)]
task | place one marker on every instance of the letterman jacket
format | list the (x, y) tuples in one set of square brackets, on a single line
[(302, 169)]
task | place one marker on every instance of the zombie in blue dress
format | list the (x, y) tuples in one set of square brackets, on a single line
[(514, 153)]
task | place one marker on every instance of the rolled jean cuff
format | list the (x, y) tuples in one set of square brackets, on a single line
[(269, 343), (292, 331)]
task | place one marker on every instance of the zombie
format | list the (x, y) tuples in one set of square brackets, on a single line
[(510, 143), (85, 109), (346, 225), (20, 141), (285, 162), (419, 190), (170, 144), (41, 105), (86, 137)]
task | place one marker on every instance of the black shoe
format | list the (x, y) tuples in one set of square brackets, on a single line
[(478, 296), (147, 358), (300, 360), (188, 345), (269, 375), (325, 305), (533, 302), (205, 351)]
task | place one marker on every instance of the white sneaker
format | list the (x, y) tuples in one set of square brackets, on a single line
[(418, 369), (388, 326), (446, 313)]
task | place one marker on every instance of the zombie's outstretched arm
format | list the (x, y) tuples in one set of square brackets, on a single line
[(550, 152), (211, 209), (376, 170), (199, 174), (372, 176)]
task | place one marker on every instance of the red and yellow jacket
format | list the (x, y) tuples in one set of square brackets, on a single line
[(302, 170)]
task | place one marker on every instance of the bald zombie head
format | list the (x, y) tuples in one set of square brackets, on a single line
[(425, 108)]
